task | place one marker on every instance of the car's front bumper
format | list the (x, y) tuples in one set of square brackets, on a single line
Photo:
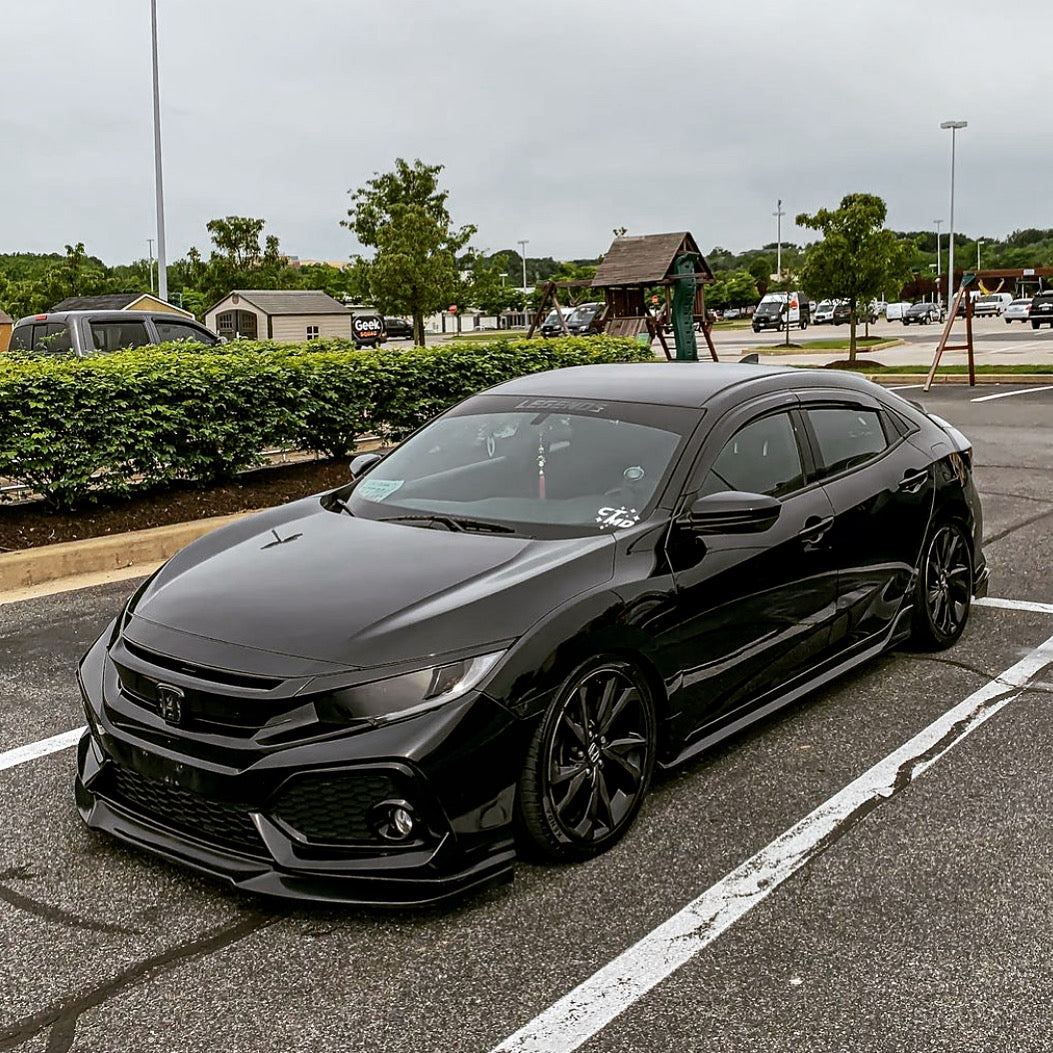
[(295, 821)]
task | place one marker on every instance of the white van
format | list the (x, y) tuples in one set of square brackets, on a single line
[(780, 310), (992, 303)]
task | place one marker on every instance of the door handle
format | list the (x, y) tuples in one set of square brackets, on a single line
[(913, 481), (815, 528)]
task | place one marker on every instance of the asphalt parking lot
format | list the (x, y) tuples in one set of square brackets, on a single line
[(922, 921)]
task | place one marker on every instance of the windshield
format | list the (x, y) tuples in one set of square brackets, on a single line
[(546, 467)]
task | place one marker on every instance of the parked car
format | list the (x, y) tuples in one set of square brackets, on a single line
[(843, 314), (824, 312), (552, 325), (587, 319), (991, 304), (780, 310), (1041, 312), (397, 328), (923, 313), (88, 333), (894, 310), (1017, 311), (488, 639)]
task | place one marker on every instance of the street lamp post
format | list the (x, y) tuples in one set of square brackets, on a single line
[(778, 214), (162, 270), (939, 223), (522, 243), (954, 126), (978, 240)]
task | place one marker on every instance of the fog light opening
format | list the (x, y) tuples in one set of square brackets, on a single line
[(395, 820)]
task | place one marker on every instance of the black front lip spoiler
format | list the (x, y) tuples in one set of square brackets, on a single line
[(257, 875)]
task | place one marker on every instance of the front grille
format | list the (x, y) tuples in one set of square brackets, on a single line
[(206, 819), (238, 716), (334, 806)]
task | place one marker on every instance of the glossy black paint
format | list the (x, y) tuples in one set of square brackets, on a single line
[(253, 624)]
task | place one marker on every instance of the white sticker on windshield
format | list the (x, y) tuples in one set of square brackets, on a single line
[(377, 489), (617, 517)]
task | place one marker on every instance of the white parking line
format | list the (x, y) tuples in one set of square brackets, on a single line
[(1016, 605), (579, 1015), (12, 758), (905, 387), (1009, 394)]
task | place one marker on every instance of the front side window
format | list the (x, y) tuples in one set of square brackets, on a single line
[(167, 331), (545, 467), (846, 435), (761, 458)]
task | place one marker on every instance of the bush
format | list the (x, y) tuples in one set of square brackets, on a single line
[(75, 429)]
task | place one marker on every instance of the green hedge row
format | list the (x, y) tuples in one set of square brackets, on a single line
[(74, 429)]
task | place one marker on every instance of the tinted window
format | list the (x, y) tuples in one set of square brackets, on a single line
[(182, 331), (22, 338), (762, 458), (112, 336), (52, 339), (846, 436)]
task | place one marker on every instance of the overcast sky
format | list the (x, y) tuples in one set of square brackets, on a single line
[(556, 120)]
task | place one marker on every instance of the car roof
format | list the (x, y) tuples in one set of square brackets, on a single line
[(107, 315), (691, 384)]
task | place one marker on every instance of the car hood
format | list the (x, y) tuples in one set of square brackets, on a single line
[(308, 586)]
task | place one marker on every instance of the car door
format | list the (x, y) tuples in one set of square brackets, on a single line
[(881, 490), (751, 609)]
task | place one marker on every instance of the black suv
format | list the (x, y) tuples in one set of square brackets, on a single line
[(87, 333), (1042, 309)]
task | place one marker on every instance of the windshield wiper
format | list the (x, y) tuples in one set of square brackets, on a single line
[(452, 523)]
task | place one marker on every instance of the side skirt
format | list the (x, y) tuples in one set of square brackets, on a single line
[(774, 701)]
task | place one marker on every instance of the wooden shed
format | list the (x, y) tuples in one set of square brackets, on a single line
[(287, 315), (6, 325)]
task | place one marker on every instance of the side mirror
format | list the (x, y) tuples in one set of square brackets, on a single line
[(732, 512), (363, 462)]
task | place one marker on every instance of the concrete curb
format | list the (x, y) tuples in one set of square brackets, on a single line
[(961, 378), (117, 555)]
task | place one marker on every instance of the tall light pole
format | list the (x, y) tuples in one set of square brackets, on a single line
[(778, 213), (939, 223), (162, 268), (150, 243), (954, 126), (978, 240), (522, 243)]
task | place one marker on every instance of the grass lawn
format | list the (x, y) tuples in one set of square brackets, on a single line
[(870, 343)]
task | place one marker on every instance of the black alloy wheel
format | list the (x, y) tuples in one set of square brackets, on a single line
[(944, 589), (590, 761)]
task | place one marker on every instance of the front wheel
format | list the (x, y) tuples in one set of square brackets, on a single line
[(589, 762), (944, 589)]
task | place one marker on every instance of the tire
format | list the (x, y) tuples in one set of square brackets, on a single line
[(944, 589), (589, 762), (1034, 325)]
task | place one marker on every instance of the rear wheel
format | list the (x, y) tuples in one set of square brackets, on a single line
[(590, 761), (944, 589)]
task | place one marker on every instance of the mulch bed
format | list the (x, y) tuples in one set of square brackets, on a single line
[(30, 524)]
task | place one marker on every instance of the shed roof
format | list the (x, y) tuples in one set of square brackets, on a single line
[(113, 302), (5, 318), (647, 259), (290, 301)]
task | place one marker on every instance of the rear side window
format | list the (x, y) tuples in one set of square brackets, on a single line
[(761, 458), (182, 331), (846, 436), (45, 338), (113, 336)]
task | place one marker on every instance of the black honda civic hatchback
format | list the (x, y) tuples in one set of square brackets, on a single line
[(490, 637)]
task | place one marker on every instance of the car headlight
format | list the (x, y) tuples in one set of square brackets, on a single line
[(397, 697)]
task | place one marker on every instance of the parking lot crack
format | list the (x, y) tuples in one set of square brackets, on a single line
[(1029, 521), (50, 913), (62, 1016)]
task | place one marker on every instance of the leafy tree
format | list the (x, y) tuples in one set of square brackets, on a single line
[(857, 257), (402, 216), (732, 289)]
